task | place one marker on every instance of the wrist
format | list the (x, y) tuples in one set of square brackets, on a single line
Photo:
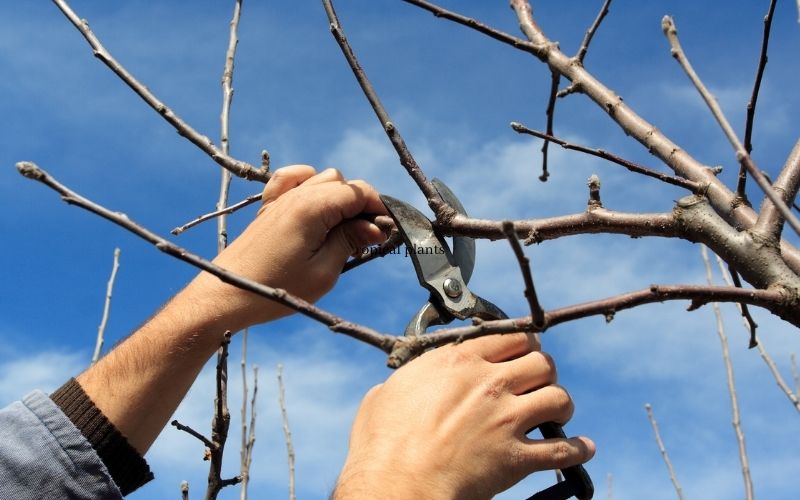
[(389, 482)]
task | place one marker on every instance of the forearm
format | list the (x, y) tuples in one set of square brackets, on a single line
[(139, 384)]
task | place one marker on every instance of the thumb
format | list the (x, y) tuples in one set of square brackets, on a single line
[(346, 239)]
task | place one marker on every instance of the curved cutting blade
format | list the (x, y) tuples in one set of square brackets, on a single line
[(463, 246)]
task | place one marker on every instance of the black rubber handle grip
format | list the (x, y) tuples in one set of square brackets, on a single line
[(577, 482)]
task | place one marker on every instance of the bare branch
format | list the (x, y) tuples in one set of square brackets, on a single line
[(220, 424), (237, 167), (663, 451), (334, 323), (692, 186), (786, 185), (795, 374), (726, 358), (671, 32), (537, 313), (287, 433), (406, 348), (610, 481), (218, 213), (248, 434), (101, 330), (751, 105), (748, 323), (184, 490), (435, 201), (517, 43), (555, 80), (185, 428), (587, 39), (224, 119)]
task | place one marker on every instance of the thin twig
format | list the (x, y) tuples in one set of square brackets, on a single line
[(435, 201), (101, 330), (188, 430), (663, 451), (787, 184), (237, 167), (244, 469), (587, 38), (184, 490), (287, 433), (218, 213), (610, 481), (555, 80), (224, 121), (748, 321), (501, 36), (248, 432), (220, 424), (334, 323), (671, 32), (726, 358), (795, 374), (751, 105), (692, 186), (537, 313)]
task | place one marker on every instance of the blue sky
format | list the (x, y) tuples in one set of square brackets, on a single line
[(452, 93)]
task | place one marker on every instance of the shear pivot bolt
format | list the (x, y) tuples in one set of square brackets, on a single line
[(452, 288)]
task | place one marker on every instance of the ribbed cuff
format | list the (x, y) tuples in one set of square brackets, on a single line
[(127, 467)]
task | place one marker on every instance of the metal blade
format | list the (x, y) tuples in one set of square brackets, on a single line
[(434, 263), (463, 246)]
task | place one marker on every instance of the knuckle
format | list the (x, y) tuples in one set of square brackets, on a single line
[(550, 364), (563, 453), (563, 404), (495, 386)]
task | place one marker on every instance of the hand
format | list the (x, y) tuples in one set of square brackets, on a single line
[(299, 241), (452, 424)]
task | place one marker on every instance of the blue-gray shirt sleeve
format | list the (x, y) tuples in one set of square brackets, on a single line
[(44, 456)]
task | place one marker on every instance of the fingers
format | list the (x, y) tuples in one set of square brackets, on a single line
[(333, 202), (347, 238), (541, 454), (531, 371), (498, 348), (327, 175), (550, 403), (285, 179)]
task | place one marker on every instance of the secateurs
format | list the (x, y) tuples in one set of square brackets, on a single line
[(445, 273)]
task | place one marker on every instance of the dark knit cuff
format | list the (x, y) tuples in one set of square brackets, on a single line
[(127, 467)]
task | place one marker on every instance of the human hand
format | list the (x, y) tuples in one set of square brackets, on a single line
[(299, 241), (452, 424)]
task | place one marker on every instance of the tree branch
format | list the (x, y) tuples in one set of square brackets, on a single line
[(237, 167), (671, 32), (101, 330), (795, 374), (537, 313), (751, 105), (786, 185), (435, 201), (749, 325), (185, 428), (287, 433), (334, 323), (692, 186), (501, 36), (227, 210), (663, 451), (184, 490), (248, 439), (736, 420), (587, 39), (224, 120), (555, 80), (406, 348), (220, 424)]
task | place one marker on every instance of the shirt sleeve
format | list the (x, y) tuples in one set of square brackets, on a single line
[(44, 455)]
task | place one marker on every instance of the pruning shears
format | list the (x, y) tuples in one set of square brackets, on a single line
[(445, 273)]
